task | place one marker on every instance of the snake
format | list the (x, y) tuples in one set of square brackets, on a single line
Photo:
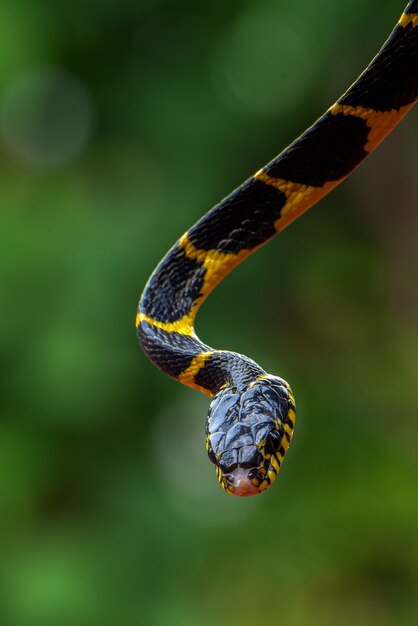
[(252, 415)]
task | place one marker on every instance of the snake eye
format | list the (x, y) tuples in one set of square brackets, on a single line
[(212, 455), (254, 473), (273, 442)]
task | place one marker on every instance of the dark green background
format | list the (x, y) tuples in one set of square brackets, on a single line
[(121, 123)]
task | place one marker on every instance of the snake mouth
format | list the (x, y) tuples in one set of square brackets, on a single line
[(238, 483)]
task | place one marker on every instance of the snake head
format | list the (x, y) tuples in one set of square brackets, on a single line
[(248, 433)]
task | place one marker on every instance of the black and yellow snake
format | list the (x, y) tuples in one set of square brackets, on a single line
[(252, 413)]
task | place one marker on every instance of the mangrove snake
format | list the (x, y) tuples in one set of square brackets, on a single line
[(252, 413)]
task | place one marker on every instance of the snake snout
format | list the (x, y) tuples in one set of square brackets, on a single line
[(241, 483)]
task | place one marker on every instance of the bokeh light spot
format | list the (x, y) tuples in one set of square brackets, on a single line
[(266, 65), (45, 117)]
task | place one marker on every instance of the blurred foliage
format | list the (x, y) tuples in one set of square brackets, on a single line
[(121, 123)]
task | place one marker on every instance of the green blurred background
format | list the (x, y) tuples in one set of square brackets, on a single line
[(121, 123)]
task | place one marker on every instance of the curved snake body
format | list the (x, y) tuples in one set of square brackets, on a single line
[(252, 413)]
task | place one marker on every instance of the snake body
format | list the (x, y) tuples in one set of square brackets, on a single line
[(252, 413)]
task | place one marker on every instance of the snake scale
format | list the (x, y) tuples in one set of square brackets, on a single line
[(252, 413)]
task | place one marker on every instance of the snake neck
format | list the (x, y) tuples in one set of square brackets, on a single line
[(193, 363), (166, 315), (220, 369)]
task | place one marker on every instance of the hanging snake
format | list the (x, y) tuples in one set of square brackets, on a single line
[(252, 413)]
